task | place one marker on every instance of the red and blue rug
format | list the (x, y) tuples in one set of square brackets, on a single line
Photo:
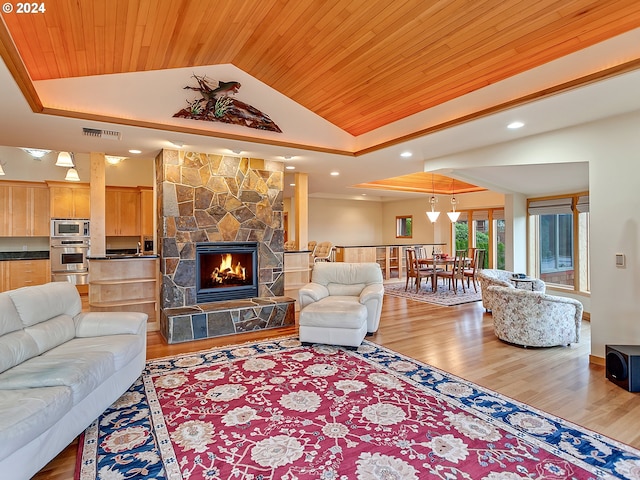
[(279, 410)]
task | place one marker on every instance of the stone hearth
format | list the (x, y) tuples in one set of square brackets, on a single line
[(215, 198)]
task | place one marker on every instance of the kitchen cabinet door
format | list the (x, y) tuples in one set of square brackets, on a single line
[(122, 215), (146, 212), (70, 202), (24, 273), (25, 211)]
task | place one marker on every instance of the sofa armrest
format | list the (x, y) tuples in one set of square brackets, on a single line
[(95, 324), (312, 292), (373, 291)]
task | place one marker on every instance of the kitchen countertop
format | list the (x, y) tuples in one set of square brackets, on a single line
[(121, 256), (25, 255)]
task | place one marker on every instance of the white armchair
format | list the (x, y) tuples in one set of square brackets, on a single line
[(502, 278), (341, 304), (535, 319)]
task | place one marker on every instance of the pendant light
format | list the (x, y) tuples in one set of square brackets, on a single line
[(453, 215), (433, 215), (72, 175), (1, 170), (64, 160)]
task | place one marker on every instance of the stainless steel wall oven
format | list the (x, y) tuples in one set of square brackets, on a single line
[(68, 252)]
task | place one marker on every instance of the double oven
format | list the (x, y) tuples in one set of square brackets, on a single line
[(69, 248)]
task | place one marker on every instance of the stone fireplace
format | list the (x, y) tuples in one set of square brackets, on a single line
[(223, 201)]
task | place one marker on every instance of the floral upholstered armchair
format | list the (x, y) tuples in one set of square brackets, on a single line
[(535, 319), (502, 278)]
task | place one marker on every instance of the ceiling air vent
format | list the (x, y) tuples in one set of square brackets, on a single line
[(94, 132)]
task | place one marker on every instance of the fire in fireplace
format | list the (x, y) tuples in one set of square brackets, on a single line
[(226, 271)]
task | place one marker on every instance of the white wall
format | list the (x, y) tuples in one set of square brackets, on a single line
[(345, 222), (612, 149)]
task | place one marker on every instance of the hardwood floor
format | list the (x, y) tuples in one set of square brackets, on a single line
[(460, 340)]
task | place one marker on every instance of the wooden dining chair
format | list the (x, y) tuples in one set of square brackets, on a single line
[(417, 271), (456, 273), (477, 264)]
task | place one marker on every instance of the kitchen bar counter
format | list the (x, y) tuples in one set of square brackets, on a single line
[(125, 283), (389, 257)]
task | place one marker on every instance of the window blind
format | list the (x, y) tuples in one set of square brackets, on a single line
[(582, 205), (556, 206), (498, 214)]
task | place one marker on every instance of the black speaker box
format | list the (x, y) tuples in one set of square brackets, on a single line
[(623, 366)]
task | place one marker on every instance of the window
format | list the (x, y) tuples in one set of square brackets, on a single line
[(560, 229), (482, 229), (556, 248), (462, 232), (404, 226)]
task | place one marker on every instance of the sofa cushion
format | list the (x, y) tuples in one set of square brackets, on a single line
[(53, 332), (27, 413), (123, 348), (41, 302), (334, 312), (9, 318), (15, 348), (82, 372)]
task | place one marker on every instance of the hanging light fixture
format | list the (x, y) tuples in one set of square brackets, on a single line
[(453, 215), (433, 215), (64, 160), (1, 170), (72, 175)]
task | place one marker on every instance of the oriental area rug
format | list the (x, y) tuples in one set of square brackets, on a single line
[(443, 296), (278, 409)]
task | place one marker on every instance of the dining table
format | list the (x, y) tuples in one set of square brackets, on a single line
[(439, 260)]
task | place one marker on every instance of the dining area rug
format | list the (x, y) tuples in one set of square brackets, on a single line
[(279, 409), (444, 296)]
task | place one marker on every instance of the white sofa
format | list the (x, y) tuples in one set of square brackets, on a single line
[(341, 304), (59, 370), (535, 319), (503, 278)]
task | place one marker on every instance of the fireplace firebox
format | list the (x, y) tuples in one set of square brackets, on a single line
[(226, 271)]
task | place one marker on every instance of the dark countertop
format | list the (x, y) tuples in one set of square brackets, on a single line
[(297, 251), (121, 256), (25, 255)]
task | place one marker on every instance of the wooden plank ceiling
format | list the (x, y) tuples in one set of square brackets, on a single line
[(422, 182), (360, 64)]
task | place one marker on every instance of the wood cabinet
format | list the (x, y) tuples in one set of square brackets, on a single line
[(69, 201), (125, 285), (25, 273), (25, 209), (146, 212), (122, 215)]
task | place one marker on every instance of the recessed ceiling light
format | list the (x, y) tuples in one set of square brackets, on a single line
[(288, 157), (36, 152), (290, 167), (237, 152), (335, 174), (363, 194), (292, 184), (406, 154), (135, 151), (113, 160), (515, 125)]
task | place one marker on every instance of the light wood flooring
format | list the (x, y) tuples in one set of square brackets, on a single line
[(460, 340)]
